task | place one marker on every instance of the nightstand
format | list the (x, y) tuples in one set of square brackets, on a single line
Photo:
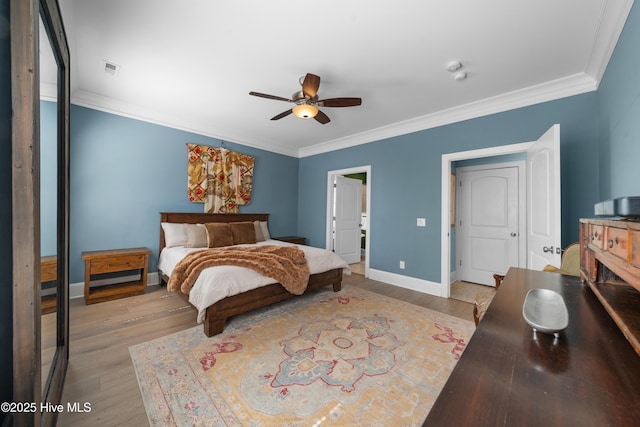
[(48, 273), (114, 261), (291, 239)]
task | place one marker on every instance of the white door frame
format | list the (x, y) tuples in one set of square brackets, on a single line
[(330, 175), (445, 236)]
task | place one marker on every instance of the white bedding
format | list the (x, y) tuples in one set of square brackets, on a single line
[(216, 283)]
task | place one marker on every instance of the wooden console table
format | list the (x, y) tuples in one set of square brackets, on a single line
[(610, 265), (508, 376), (114, 261)]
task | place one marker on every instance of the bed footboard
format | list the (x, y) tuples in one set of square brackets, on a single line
[(218, 313)]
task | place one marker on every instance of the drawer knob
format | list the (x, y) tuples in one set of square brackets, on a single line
[(610, 243)]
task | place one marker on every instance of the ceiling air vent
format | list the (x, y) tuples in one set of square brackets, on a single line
[(111, 68)]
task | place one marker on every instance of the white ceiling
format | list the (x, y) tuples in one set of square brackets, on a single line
[(191, 64)]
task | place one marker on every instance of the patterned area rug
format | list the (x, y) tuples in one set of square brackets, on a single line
[(348, 358)]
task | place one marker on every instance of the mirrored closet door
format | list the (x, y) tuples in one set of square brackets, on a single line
[(40, 205)]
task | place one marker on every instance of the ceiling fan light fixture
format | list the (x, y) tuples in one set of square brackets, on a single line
[(305, 111)]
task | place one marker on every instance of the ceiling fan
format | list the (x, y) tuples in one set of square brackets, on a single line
[(307, 102)]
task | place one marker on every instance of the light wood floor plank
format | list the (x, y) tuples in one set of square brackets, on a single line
[(100, 369)]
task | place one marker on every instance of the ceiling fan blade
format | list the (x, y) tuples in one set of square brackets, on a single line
[(281, 115), (264, 95), (340, 102), (322, 118), (310, 85)]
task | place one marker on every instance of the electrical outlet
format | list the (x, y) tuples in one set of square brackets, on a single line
[(401, 265), (422, 222)]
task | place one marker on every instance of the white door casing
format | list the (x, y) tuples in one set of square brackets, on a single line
[(348, 214), (488, 226), (543, 201), (445, 228)]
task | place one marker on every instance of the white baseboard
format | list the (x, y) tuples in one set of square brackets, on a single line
[(420, 285), (452, 277), (76, 290)]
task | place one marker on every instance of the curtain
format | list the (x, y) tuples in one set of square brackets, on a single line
[(219, 178)]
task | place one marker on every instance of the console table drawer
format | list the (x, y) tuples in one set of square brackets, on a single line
[(634, 254), (618, 242), (596, 234), (48, 268), (114, 264)]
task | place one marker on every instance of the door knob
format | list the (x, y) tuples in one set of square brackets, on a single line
[(547, 249), (514, 234)]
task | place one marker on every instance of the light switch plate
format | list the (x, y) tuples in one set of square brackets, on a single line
[(422, 222)]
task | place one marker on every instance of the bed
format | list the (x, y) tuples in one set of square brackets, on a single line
[(214, 314)]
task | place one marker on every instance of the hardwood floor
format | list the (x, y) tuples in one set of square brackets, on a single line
[(100, 370)]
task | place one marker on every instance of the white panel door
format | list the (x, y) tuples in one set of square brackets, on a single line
[(543, 204), (348, 214), (488, 223)]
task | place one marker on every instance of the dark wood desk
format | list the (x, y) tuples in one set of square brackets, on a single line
[(505, 377)]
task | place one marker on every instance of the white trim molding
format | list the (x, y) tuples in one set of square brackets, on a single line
[(328, 232), (445, 191), (407, 282)]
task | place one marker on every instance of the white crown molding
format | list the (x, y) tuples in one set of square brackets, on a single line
[(569, 86), (561, 88), (613, 16), (112, 106), (610, 27), (48, 92)]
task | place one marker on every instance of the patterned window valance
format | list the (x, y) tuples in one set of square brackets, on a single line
[(219, 178)]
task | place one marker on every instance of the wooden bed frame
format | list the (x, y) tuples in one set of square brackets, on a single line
[(218, 313)]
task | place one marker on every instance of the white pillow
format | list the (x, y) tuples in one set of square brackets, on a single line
[(258, 229), (265, 230), (174, 234)]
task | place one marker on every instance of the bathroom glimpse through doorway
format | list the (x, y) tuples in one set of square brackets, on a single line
[(349, 215)]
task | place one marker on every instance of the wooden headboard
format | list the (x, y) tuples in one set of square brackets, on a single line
[(202, 218)]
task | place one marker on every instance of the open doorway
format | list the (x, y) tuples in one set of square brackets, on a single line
[(542, 201), (349, 215)]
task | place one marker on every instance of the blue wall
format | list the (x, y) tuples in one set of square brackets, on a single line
[(600, 159), (124, 172), (405, 179), (619, 99), (48, 178)]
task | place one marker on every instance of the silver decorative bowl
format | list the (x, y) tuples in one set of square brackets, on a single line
[(545, 311)]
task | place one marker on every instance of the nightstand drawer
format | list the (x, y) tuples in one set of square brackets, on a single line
[(113, 264)]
